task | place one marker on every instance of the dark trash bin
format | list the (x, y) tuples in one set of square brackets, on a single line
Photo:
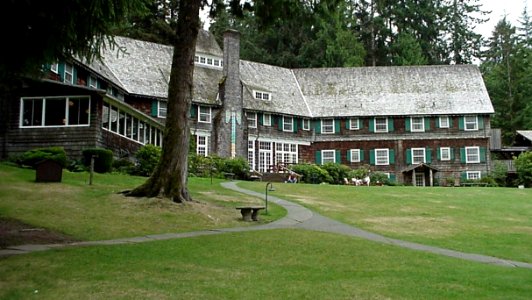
[(48, 171)]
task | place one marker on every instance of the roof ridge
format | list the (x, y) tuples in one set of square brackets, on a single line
[(301, 93)]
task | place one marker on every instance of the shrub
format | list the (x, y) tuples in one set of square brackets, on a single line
[(238, 166), (379, 177), (523, 165), (312, 173), (124, 166), (359, 173), (499, 173), (148, 157), (103, 160), (32, 157), (337, 172)]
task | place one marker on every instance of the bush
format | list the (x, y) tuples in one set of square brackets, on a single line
[(103, 160), (238, 166), (148, 157), (124, 166), (312, 173), (32, 157), (359, 173), (379, 177), (523, 165), (337, 172), (499, 173)]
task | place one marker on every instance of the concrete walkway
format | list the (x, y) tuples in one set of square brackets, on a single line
[(297, 217)]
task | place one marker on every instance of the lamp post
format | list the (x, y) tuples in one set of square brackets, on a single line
[(269, 187)]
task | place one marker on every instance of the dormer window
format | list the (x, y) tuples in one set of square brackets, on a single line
[(260, 95), (208, 60), (69, 73), (54, 68)]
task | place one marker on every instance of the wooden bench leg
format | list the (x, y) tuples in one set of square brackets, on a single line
[(246, 214)]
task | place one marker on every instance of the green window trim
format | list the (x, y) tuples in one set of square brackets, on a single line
[(372, 157), (348, 155), (348, 124), (408, 156), (336, 126), (338, 157), (427, 123), (407, 124), (317, 125), (461, 122), (428, 155), (294, 124), (390, 125), (154, 108), (280, 123), (372, 125), (318, 157), (480, 123), (391, 158)]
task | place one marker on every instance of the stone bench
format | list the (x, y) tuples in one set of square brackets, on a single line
[(250, 213)]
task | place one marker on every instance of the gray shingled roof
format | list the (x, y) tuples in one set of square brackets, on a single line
[(144, 68), (286, 96), (389, 91), (526, 133)]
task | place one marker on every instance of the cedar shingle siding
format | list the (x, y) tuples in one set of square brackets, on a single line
[(382, 100)]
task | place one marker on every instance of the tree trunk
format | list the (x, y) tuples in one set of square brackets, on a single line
[(170, 176)]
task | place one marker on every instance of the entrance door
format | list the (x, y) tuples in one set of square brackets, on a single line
[(420, 179)]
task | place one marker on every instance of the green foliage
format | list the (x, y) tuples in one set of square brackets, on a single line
[(312, 173), (59, 28), (337, 172), (32, 157), (123, 166), (103, 159), (523, 165), (499, 173), (238, 166), (359, 173), (379, 178), (148, 157)]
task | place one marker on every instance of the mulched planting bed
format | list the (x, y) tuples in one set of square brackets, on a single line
[(13, 233)]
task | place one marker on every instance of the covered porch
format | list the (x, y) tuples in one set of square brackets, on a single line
[(420, 175)]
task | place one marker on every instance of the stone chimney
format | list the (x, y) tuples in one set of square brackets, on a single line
[(230, 136)]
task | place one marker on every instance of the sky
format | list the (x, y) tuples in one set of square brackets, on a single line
[(499, 8)]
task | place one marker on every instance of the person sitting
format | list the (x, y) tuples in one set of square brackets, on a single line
[(292, 178)]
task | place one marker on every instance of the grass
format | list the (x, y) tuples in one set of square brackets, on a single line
[(489, 221), (279, 264), (99, 211)]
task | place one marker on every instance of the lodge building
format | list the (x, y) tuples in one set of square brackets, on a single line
[(417, 124)]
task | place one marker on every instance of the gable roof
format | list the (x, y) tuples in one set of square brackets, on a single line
[(143, 68), (286, 98), (390, 91), (527, 134)]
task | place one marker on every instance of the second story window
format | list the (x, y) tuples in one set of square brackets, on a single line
[(417, 124), (69, 73), (470, 123), (161, 110), (353, 124), (327, 126), (444, 122), (93, 83), (288, 124), (445, 153), (267, 120), (306, 124), (252, 119), (381, 124), (472, 155), (54, 68), (382, 157), (418, 155), (204, 115)]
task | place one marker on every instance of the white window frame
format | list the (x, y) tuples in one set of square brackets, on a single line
[(414, 157), (202, 148), (161, 109), (327, 128), (93, 82), (288, 124), (204, 117), (262, 95), (382, 157), (54, 68), (43, 111), (467, 154), (446, 123), (306, 124), (267, 120), (376, 128), (328, 159), (470, 122), (68, 72), (417, 124), (353, 124), (446, 150), (355, 153), (473, 175), (252, 119), (251, 154), (286, 153)]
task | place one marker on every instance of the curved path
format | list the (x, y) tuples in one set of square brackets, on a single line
[(297, 217)]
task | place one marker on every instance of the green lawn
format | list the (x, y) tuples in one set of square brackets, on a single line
[(99, 211), (277, 264), (272, 264), (489, 221)]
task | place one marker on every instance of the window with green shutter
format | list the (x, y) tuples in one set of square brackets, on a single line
[(407, 124), (427, 123), (280, 123), (462, 155), (408, 156), (461, 123), (483, 154), (480, 122), (392, 156), (154, 108), (390, 125), (338, 157), (296, 128), (318, 157), (372, 157), (317, 125), (336, 126), (372, 125)]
